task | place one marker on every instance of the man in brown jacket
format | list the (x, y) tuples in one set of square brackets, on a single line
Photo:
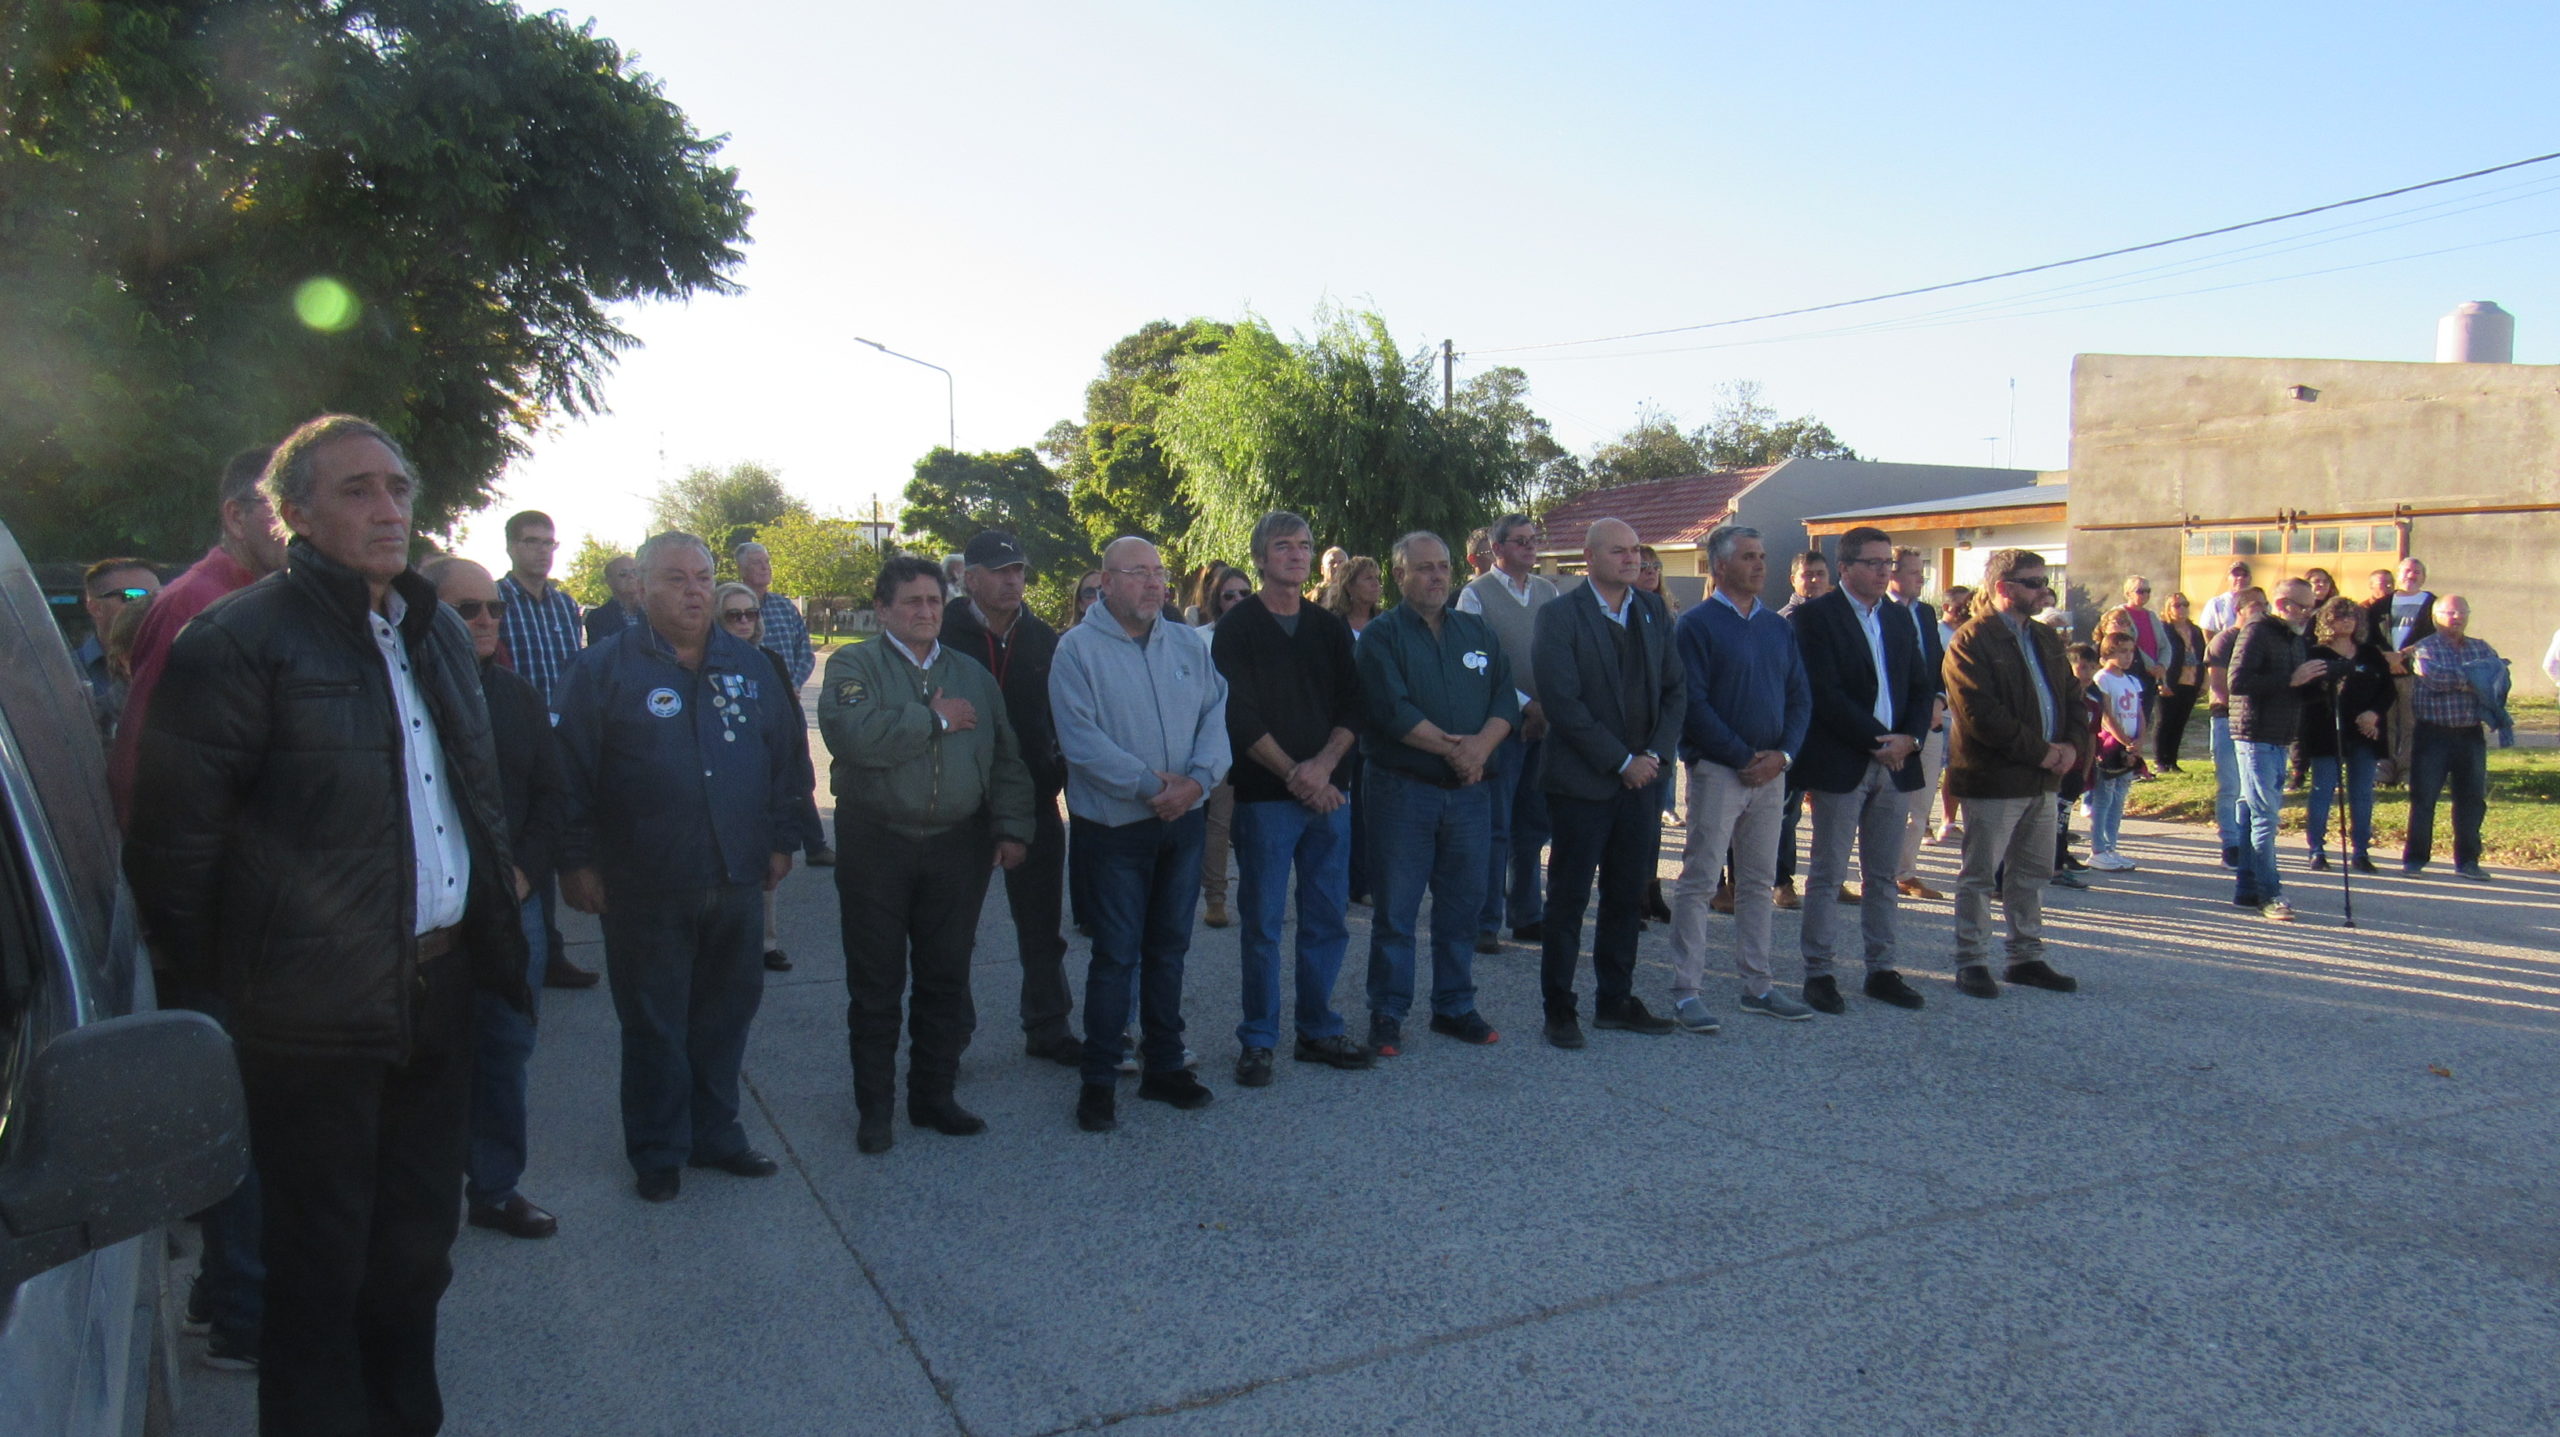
[(2019, 726)]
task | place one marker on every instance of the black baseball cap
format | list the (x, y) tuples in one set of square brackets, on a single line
[(994, 549)]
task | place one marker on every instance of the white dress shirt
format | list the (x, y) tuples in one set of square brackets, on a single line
[(435, 822)]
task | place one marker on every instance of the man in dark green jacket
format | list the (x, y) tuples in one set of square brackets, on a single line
[(931, 794)]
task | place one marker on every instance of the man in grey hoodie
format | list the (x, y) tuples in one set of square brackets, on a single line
[(1142, 723)]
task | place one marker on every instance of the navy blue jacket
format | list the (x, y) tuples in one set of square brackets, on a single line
[(679, 779)]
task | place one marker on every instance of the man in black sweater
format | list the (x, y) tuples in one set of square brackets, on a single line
[(1293, 697), (991, 626)]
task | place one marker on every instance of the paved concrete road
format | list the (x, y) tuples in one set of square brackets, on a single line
[(2250, 1178)]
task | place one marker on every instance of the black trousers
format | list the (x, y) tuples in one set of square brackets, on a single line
[(1035, 892), (2176, 707), (909, 911), (1621, 837), (360, 1162)]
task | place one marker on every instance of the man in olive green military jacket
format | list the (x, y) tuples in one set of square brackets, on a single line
[(931, 795)]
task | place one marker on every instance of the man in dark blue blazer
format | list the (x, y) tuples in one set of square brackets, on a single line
[(1872, 697), (1908, 579), (1615, 695)]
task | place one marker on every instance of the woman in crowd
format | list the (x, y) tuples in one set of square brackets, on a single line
[(2181, 678), (1222, 587), (2342, 728), (1354, 595), (1954, 607), (741, 614)]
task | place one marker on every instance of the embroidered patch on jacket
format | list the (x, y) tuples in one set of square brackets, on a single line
[(849, 692), (665, 703)]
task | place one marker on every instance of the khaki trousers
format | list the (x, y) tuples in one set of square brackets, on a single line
[(1724, 812), (2015, 834)]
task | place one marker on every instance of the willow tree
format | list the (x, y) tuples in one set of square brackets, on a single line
[(1343, 427)]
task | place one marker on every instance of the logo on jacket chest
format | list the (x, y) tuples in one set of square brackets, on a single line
[(665, 703)]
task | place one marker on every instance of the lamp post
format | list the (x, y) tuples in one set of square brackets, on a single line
[(950, 413)]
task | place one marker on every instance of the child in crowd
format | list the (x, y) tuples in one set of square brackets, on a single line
[(2120, 693), (2084, 678)]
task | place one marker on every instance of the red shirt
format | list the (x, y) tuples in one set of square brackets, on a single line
[(188, 595)]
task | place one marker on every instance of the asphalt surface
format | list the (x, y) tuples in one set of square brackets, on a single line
[(2251, 1178)]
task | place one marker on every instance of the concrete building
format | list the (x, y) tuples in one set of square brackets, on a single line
[(2179, 465), (1955, 535), (1676, 515)]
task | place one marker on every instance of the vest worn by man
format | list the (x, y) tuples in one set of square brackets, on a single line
[(1637, 689), (1514, 623)]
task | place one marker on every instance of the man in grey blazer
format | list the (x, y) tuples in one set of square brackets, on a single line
[(1615, 695)]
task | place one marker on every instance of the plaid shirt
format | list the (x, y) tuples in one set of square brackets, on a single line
[(541, 634), (2442, 694), (785, 634)]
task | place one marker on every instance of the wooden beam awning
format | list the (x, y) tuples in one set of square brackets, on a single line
[(1948, 519)]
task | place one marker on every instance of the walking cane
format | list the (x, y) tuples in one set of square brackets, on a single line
[(2346, 862)]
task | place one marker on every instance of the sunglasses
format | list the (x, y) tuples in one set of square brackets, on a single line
[(123, 596), (2038, 582), (738, 616), (471, 609), (1233, 596)]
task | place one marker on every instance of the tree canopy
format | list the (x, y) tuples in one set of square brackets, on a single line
[(1743, 433), (223, 218), (954, 497), (1344, 428), (822, 558), (1120, 479), (722, 507)]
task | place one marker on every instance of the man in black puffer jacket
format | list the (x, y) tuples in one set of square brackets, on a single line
[(318, 836)]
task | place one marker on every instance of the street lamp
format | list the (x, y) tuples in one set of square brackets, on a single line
[(950, 413)]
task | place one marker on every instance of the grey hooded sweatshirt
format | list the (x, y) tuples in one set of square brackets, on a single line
[(1127, 709)]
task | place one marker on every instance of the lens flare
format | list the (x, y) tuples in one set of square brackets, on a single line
[(326, 305)]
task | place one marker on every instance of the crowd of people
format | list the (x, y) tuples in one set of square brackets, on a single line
[(356, 791)]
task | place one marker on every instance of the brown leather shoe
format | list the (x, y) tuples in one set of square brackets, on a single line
[(1786, 897), (516, 1218), (1723, 901), (564, 974), (1217, 917), (1914, 888)]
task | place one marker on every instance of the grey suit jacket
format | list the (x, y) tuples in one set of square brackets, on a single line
[(1581, 687)]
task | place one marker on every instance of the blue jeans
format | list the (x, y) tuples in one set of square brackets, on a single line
[(1142, 881), (502, 1040), (2226, 782), (1270, 839), (1519, 832), (1435, 839), (2261, 767), (2324, 787), (687, 973), (2106, 810)]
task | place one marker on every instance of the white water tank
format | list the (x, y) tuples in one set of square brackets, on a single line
[(2477, 333)]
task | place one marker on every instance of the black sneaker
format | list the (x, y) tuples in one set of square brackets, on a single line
[(1467, 1027), (2034, 974), (777, 961), (1886, 986), (1253, 1069), (199, 1318), (2319, 863), (1337, 1051), (1177, 1087), (1386, 1035), (2362, 864), (1629, 1015), (1094, 1108), (1974, 981), (230, 1352), (1534, 932), (1822, 995), (1064, 1049), (1564, 1031), (2248, 900)]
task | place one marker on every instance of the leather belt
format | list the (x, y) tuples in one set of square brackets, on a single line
[(437, 942)]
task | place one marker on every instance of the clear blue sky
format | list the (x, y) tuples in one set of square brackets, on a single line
[(1005, 189)]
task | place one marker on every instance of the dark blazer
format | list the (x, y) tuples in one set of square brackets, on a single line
[(606, 620), (1997, 746), (530, 779), (1933, 649), (1842, 740), (1574, 648)]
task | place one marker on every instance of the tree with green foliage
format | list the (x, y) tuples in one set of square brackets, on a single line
[(822, 558), (1744, 433), (1119, 477), (220, 219), (722, 507), (1344, 428), (585, 579), (1654, 447), (954, 497)]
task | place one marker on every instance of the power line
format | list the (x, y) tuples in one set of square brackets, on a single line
[(2033, 268)]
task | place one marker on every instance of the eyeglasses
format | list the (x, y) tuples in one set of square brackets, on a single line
[(1156, 574), (738, 616), (1885, 562), (471, 609), (122, 596)]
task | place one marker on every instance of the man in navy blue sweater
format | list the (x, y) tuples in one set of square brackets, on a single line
[(1748, 708)]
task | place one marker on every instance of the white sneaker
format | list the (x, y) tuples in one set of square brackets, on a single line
[(2112, 862), (2277, 911)]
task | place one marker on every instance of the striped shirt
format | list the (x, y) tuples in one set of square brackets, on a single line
[(542, 634), (787, 635)]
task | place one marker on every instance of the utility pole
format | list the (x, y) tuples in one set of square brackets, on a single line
[(1448, 376)]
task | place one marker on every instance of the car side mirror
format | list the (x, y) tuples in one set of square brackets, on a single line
[(121, 1126)]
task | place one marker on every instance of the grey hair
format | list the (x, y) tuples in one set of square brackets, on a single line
[(1274, 524), (1720, 543), (292, 471), (750, 547), (721, 595), (656, 544), (1403, 545)]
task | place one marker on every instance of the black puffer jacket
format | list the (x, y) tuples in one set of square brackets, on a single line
[(270, 852), (2265, 705)]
